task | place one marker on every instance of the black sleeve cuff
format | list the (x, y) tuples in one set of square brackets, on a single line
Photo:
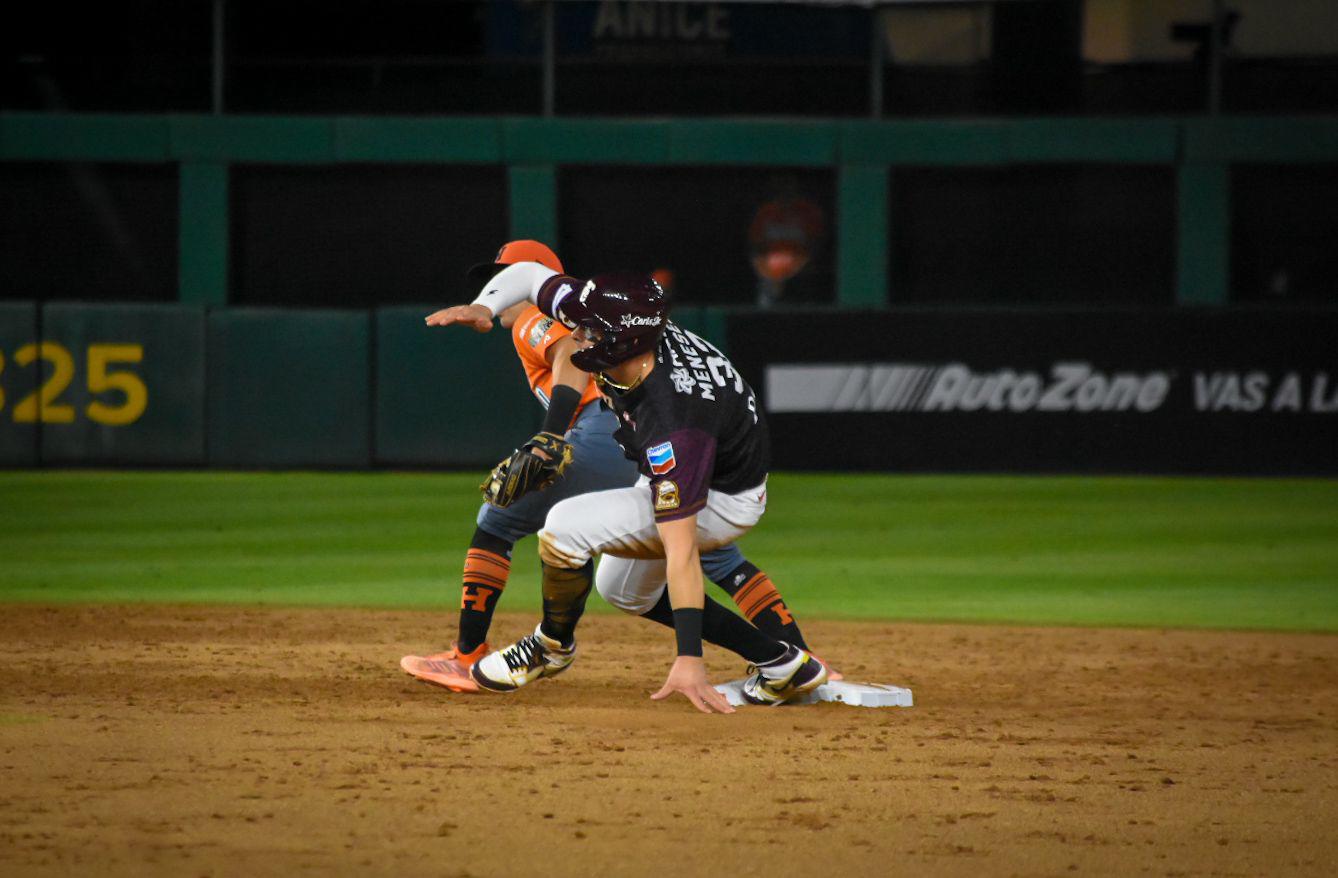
[(562, 407), (688, 631)]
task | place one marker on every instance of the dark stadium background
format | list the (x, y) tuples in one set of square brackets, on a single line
[(1053, 408), (1041, 157)]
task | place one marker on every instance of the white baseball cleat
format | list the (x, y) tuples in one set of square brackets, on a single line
[(533, 656), (785, 678)]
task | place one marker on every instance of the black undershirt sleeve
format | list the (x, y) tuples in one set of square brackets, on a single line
[(562, 407)]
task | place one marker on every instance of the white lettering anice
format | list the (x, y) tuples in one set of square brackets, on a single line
[(640, 20)]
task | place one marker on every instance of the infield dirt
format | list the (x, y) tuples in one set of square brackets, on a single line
[(215, 741)]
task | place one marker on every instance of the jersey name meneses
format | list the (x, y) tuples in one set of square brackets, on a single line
[(692, 426)]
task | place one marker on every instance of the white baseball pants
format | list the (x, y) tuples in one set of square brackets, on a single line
[(620, 525)]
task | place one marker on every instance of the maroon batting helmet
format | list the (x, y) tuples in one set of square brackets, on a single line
[(628, 310)]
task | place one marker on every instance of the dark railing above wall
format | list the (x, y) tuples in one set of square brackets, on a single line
[(864, 156)]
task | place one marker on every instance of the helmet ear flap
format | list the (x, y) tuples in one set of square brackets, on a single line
[(610, 351), (591, 360)]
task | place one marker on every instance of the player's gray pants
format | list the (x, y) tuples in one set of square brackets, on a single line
[(598, 464)]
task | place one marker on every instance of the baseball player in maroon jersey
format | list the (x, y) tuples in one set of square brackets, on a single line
[(570, 398), (691, 423)]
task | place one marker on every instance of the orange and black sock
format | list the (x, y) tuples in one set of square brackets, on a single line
[(757, 598), (487, 566)]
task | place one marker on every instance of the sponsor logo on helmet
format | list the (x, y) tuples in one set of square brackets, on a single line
[(661, 458), (1069, 387), (639, 320)]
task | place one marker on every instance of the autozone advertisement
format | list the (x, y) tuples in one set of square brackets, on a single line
[(1194, 391)]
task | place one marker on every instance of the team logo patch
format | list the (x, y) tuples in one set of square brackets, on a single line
[(539, 330), (666, 496), (661, 458)]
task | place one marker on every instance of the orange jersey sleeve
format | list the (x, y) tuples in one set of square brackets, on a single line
[(533, 334)]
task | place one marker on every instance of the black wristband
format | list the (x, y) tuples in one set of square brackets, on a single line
[(688, 631), (562, 407)]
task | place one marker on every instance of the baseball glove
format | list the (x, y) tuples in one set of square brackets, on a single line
[(524, 471)]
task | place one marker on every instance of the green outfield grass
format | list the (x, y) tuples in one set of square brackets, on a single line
[(1233, 553)]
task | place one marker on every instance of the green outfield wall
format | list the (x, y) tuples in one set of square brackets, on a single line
[(19, 428), (864, 154), (289, 388), (1242, 391), (446, 395), (188, 385)]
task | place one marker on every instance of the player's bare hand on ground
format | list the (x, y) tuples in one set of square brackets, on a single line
[(688, 676), (474, 316)]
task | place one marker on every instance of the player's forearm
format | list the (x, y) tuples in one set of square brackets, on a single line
[(512, 285), (687, 594), (564, 371), (569, 385), (685, 582)]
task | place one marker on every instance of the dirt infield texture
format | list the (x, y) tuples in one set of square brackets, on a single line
[(215, 741)]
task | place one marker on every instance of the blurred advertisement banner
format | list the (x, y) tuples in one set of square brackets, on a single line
[(644, 31), (1112, 390)]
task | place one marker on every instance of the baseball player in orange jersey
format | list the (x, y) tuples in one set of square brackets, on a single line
[(570, 398)]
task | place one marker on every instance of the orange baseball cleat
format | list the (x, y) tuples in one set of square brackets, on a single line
[(449, 668)]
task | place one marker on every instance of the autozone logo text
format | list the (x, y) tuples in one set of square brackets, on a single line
[(955, 387)]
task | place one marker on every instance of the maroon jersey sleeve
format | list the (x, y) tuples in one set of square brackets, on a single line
[(681, 464), (554, 292)]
